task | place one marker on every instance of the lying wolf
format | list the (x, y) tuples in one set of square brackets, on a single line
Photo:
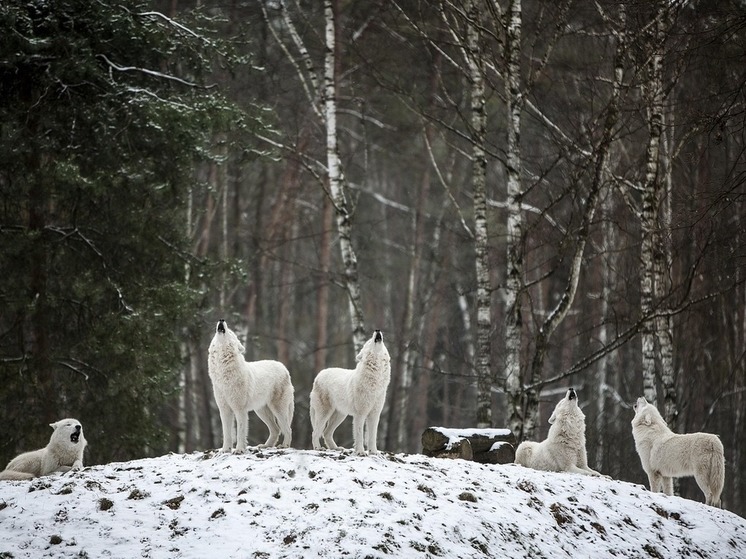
[(63, 453), (666, 455), (564, 448)]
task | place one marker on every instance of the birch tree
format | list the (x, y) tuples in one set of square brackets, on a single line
[(343, 212), (514, 250), (323, 102), (653, 259), (483, 367)]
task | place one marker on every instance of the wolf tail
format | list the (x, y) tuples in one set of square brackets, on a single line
[(523, 453), (716, 473), (13, 475)]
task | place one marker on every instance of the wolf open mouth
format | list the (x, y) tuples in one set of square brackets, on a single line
[(75, 436)]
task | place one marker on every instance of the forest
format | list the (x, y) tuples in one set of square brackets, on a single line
[(523, 196)]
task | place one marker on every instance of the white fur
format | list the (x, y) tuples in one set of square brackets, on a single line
[(358, 392), (241, 387), (666, 455), (564, 448), (62, 454)]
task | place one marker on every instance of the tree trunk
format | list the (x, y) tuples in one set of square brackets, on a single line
[(481, 237), (651, 206), (663, 270), (488, 446), (514, 259), (336, 178)]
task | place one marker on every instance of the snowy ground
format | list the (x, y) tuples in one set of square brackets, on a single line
[(298, 503)]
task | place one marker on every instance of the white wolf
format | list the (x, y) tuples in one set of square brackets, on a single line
[(358, 392), (564, 448), (666, 455), (240, 387), (63, 453)]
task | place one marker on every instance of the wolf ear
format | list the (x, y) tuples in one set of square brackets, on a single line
[(646, 419), (552, 418)]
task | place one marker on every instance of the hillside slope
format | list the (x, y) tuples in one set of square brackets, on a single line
[(296, 503)]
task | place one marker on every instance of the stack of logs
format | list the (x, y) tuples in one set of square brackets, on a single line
[(487, 446)]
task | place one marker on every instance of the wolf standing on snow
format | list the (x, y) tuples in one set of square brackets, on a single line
[(240, 387), (63, 453), (358, 392), (666, 455), (564, 448)]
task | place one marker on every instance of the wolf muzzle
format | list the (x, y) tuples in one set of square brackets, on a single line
[(572, 395), (221, 326), (379, 337), (75, 436)]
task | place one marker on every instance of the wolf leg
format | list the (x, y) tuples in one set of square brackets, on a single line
[(332, 423), (226, 420), (242, 431), (371, 424), (266, 415), (358, 423)]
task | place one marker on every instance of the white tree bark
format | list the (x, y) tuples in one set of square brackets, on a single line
[(514, 258), (337, 181), (652, 251), (481, 237), (663, 270)]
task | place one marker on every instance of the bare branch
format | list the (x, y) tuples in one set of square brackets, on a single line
[(152, 73)]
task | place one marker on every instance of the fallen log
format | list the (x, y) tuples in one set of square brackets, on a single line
[(487, 446)]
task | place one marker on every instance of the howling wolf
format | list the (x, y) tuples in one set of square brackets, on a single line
[(666, 455), (564, 448), (63, 453), (240, 387), (359, 392)]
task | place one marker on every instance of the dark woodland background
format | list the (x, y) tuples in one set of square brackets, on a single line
[(164, 165)]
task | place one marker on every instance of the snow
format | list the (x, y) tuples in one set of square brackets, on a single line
[(271, 503)]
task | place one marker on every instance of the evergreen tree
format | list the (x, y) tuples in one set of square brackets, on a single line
[(102, 116)]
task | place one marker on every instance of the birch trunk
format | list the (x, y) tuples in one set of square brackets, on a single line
[(650, 210), (336, 178), (663, 270), (479, 187), (514, 258)]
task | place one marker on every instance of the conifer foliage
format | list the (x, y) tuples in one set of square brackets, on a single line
[(98, 134)]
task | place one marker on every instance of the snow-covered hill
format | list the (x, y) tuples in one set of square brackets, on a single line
[(297, 503)]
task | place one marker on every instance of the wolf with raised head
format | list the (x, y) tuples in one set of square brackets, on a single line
[(666, 455), (63, 453), (359, 392), (241, 387), (564, 448)]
